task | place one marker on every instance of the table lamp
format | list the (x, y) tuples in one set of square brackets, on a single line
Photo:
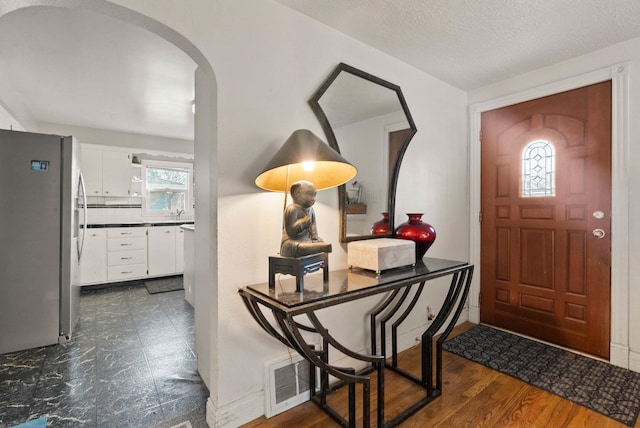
[(303, 158)]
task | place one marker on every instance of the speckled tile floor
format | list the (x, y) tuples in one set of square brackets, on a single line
[(130, 364)]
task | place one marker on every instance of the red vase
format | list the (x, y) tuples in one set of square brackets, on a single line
[(381, 227), (416, 230)]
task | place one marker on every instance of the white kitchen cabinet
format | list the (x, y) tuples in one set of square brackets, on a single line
[(162, 250), (106, 172), (93, 265), (115, 254), (126, 253), (92, 171), (116, 173), (189, 278), (179, 249)]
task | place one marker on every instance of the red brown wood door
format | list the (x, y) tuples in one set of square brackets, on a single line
[(546, 207), (396, 141)]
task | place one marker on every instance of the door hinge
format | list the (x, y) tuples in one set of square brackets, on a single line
[(480, 217), (479, 297)]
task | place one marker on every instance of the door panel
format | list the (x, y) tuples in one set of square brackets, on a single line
[(543, 272)]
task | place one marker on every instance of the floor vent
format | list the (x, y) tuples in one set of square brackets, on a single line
[(287, 383)]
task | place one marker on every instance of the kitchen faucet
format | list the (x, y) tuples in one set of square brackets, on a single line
[(179, 212)]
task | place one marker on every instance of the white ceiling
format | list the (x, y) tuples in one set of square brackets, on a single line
[(472, 43), (83, 69)]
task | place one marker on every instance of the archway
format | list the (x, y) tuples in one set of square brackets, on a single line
[(205, 153)]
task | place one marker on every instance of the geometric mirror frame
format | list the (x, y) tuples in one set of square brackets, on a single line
[(357, 110)]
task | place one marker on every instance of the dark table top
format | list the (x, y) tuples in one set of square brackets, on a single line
[(346, 285)]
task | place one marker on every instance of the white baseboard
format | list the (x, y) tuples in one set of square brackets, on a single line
[(236, 413), (474, 314), (634, 361), (619, 355)]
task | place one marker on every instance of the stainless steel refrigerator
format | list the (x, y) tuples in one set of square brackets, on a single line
[(41, 193)]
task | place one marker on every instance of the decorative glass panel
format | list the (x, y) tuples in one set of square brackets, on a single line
[(538, 170)]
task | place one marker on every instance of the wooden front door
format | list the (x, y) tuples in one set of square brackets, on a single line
[(546, 218)]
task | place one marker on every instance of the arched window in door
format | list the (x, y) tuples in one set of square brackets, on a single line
[(538, 169)]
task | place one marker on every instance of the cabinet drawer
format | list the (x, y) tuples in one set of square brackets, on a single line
[(124, 232), (126, 244), (119, 258), (122, 273)]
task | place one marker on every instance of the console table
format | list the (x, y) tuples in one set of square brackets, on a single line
[(400, 290)]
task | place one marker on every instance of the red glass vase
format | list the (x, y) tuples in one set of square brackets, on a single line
[(423, 234), (381, 227)]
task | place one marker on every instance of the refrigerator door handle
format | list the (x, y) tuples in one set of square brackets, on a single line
[(84, 226)]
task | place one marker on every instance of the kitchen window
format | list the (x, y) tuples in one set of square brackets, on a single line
[(167, 187)]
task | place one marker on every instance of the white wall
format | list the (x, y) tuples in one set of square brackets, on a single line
[(628, 250), (268, 60), (106, 137), (7, 121)]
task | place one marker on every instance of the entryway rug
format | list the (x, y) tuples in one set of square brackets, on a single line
[(609, 390), (162, 285)]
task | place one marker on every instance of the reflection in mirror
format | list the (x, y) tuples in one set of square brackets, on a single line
[(366, 119)]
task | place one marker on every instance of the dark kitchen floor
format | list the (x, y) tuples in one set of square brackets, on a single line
[(130, 363)]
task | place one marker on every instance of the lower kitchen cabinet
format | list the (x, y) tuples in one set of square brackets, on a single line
[(165, 250), (93, 264), (126, 253), (115, 254), (179, 249), (162, 250), (126, 272)]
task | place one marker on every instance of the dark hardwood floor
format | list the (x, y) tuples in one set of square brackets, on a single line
[(473, 396)]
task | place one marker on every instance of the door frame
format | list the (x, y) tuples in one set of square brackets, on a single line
[(619, 76)]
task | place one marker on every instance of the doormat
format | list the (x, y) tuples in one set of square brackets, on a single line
[(609, 390), (162, 285)]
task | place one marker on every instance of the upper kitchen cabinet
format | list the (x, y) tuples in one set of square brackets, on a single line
[(92, 171), (106, 172)]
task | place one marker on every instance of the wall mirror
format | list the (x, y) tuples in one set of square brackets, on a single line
[(365, 119)]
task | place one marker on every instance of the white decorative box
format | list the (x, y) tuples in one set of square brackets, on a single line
[(381, 254)]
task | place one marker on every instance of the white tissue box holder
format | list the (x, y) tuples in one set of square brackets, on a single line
[(381, 254)]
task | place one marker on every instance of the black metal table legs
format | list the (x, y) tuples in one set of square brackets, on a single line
[(393, 310)]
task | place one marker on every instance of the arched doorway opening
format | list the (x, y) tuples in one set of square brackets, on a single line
[(205, 141)]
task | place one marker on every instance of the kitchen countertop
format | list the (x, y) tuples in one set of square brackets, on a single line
[(188, 226), (141, 224)]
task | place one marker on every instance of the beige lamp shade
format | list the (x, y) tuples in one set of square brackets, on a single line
[(304, 156)]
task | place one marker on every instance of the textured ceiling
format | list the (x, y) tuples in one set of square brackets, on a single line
[(472, 43), (72, 67)]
